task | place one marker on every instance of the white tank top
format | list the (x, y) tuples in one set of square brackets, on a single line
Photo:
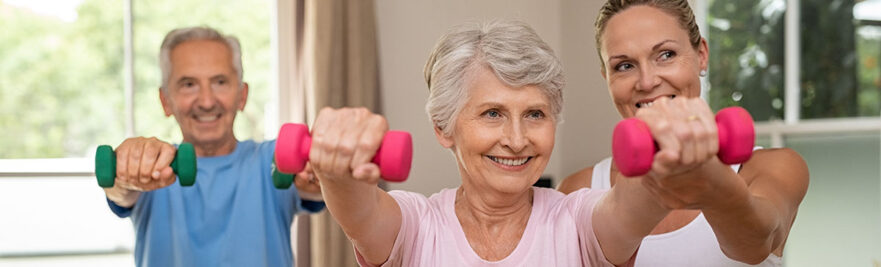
[(694, 244)]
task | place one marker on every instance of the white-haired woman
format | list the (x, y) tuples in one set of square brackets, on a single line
[(495, 98)]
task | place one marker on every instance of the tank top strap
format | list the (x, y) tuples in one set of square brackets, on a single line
[(601, 177)]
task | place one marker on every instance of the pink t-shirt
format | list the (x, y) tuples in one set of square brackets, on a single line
[(559, 232)]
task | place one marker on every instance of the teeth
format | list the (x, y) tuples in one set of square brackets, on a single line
[(644, 105), (649, 104), (207, 118), (510, 162)]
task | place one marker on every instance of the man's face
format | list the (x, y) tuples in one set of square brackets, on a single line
[(203, 92)]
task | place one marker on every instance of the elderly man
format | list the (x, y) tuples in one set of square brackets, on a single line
[(233, 215)]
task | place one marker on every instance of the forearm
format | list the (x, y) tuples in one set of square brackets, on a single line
[(122, 197), (747, 227), (367, 214), (624, 217)]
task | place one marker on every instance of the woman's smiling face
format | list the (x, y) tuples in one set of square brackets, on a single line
[(646, 55)]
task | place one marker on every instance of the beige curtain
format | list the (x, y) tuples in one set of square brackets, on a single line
[(337, 57)]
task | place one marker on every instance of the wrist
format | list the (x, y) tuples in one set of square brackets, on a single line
[(310, 196), (122, 197), (730, 195)]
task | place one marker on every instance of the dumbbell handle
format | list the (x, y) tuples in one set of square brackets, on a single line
[(394, 166), (184, 165), (633, 147)]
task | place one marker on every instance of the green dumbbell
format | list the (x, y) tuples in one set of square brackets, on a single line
[(184, 165), (281, 180)]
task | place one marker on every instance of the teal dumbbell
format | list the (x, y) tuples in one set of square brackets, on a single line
[(184, 165), (281, 180)]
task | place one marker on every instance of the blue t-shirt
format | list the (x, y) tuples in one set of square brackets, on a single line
[(231, 216)]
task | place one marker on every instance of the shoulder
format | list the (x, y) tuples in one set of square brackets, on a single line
[(781, 168), (417, 202), (578, 180)]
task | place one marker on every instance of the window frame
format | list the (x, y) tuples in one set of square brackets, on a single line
[(793, 124), (79, 167)]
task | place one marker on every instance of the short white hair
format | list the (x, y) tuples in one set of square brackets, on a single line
[(510, 49), (182, 35)]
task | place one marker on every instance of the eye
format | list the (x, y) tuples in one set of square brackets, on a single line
[(492, 114), (536, 115), (623, 66), (189, 84), (667, 55)]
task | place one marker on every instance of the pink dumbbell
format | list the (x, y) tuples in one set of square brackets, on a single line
[(633, 147), (393, 157)]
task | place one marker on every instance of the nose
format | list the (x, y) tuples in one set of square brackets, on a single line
[(515, 136), (648, 78), (206, 99)]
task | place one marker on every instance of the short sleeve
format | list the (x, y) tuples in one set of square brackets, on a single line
[(581, 203), (405, 250)]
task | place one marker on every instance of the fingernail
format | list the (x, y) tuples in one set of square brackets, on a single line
[(155, 174)]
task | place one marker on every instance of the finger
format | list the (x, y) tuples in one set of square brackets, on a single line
[(660, 124), (166, 177), (708, 122), (368, 173), (122, 162), (166, 173), (681, 117), (370, 140), (319, 130), (135, 154), (327, 139), (350, 130), (167, 153), (148, 158)]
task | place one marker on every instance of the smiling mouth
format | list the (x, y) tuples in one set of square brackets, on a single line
[(510, 162), (206, 118), (649, 104)]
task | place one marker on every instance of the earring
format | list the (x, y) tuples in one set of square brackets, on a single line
[(703, 73)]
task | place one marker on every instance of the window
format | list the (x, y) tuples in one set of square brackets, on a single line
[(62, 82), (808, 71), (840, 45)]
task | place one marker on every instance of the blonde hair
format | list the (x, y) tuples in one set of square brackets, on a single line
[(676, 8)]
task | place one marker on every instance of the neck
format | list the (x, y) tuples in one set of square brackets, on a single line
[(215, 148), (489, 208)]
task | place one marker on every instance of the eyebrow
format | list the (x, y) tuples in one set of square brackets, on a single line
[(654, 47), (184, 79), (499, 105)]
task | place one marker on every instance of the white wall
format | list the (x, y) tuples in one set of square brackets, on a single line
[(409, 29)]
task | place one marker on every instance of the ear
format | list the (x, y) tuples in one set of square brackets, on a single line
[(243, 97), (703, 52), (445, 141), (166, 102)]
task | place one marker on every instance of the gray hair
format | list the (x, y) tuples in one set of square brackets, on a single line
[(181, 35), (511, 49)]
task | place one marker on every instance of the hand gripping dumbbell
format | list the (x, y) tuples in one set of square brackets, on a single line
[(184, 165), (393, 157), (633, 147)]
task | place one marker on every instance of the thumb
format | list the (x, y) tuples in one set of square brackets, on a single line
[(166, 173), (368, 172)]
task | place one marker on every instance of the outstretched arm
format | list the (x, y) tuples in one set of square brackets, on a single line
[(343, 143), (752, 221), (625, 215)]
